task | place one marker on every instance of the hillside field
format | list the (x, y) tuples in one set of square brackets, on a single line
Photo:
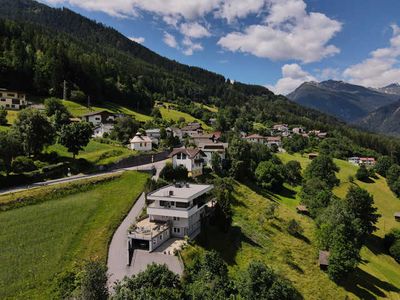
[(254, 238), (42, 240), (96, 153)]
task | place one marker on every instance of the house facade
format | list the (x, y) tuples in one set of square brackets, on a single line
[(192, 129), (266, 140), (366, 161), (154, 134), (210, 148), (99, 117), (101, 129), (173, 211), (141, 143), (12, 99), (192, 159)]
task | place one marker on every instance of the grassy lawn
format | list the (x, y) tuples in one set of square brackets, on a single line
[(96, 152), (174, 115), (39, 241), (210, 108), (378, 274), (77, 109)]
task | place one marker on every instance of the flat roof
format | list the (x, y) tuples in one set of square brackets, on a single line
[(175, 192)]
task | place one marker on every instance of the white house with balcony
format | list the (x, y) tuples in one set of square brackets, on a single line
[(99, 117), (193, 159), (175, 210), (12, 99)]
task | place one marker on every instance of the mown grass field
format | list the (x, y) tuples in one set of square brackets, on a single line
[(96, 153), (39, 241), (252, 237), (77, 109), (170, 113)]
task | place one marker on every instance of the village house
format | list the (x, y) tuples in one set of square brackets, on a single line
[(397, 216), (141, 143), (274, 140), (298, 130), (99, 117), (317, 133), (102, 128), (191, 158), (192, 129), (176, 132), (154, 134), (210, 148), (12, 99), (281, 127), (366, 161), (266, 140), (174, 210)]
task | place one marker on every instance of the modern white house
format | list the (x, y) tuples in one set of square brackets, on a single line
[(12, 99), (191, 158), (99, 117), (174, 210), (102, 128), (141, 143), (154, 134)]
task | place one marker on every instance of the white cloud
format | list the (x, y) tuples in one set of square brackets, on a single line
[(194, 30), (170, 40), (292, 76), (139, 40), (289, 33), (231, 10), (190, 46), (381, 68)]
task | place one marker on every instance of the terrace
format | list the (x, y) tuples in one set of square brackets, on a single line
[(146, 230)]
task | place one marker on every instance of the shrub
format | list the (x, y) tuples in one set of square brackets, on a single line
[(362, 173), (23, 164), (294, 228)]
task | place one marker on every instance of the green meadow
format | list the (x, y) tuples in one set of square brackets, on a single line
[(42, 240)]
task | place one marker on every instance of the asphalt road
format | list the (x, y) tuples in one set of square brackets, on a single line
[(158, 165)]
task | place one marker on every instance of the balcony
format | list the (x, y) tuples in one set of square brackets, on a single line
[(173, 211)]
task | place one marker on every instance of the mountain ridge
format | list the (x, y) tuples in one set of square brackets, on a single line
[(346, 101)]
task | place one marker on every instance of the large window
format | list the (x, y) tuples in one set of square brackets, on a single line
[(182, 204)]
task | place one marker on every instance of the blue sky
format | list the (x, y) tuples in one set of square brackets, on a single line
[(276, 43)]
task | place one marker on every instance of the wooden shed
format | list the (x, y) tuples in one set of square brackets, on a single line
[(312, 155), (323, 259), (302, 209), (397, 216)]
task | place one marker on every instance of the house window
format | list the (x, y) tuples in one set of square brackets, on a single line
[(177, 230), (97, 118), (182, 204), (161, 237), (176, 218)]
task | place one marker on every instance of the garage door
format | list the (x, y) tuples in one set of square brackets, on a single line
[(141, 244)]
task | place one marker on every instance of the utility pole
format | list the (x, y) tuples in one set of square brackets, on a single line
[(65, 90)]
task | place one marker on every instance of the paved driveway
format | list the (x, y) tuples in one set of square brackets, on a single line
[(142, 258)]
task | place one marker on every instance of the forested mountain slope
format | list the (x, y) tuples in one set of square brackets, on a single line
[(385, 119), (42, 46)]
